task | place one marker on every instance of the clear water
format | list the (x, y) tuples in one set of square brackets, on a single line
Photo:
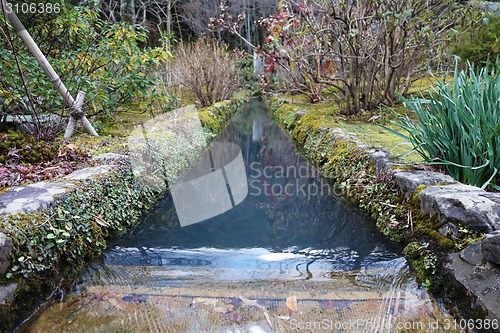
[(288, 258)]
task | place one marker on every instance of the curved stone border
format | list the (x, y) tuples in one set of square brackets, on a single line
[(37, 197), (475, 270)]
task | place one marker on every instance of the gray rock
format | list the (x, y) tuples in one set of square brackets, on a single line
[(490, 247), (480, 280), (111, 158), (29, 198), (7, 293), (89, 172), (463, 203), (495, 197), (449, 230), (472, 254), (408, 181), (5, 248), (381, 158)]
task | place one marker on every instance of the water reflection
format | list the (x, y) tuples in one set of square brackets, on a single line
[(288, 207), (288, 258)]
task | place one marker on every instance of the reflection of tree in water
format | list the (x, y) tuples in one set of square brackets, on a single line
[(320, 221), (318, 227)]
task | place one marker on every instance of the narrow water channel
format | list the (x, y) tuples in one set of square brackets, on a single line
[(284, 257)]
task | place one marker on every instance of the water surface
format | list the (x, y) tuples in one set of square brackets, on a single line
[(288, 258)]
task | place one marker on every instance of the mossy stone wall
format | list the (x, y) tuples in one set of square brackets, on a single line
[(50, 246), (368, 179)]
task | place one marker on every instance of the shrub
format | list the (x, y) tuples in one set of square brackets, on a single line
[(208, 70), (367, 51), (479, 44), (459, 126), (108, 61)]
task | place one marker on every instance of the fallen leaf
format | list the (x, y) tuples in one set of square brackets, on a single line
[(101, 222), (72, 146), (268, 319), (291, 303), (251, 302)]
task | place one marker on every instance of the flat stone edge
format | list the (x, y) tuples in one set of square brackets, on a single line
[(64, 186), (438, 193)]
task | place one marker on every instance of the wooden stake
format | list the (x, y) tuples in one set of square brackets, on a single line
[(75, 105)]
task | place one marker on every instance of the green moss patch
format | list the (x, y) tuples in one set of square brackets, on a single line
[(325, 114)]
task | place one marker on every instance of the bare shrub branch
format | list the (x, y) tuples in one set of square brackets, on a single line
[(208, 69)]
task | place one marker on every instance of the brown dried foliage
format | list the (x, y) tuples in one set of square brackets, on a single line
[(208, 69)]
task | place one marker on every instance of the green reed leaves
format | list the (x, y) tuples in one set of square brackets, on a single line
[(459, 126)]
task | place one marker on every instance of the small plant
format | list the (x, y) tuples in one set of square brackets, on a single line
[(208, 70), (426, 284), (23, 148), (459, 125)]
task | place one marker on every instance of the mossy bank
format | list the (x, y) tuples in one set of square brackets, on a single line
[(52, 244), (391, 194)]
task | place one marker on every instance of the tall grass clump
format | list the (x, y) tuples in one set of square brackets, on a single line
[(459, 126)]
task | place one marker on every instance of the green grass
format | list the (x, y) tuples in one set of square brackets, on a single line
[(376, 136), (326, 114)]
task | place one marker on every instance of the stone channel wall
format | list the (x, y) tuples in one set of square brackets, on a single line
[(50, 230), (433, 215)]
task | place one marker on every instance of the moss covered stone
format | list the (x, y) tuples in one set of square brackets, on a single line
[(351, 168)]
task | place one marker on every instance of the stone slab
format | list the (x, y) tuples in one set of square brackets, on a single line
[(381, 158), (466, 204), (5, 248), (490, 247), (479, 278), (89, 172), (25, 199), (408, 181)]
